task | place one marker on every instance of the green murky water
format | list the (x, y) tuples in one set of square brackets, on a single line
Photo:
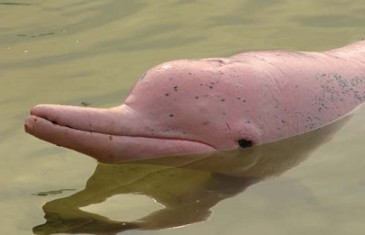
[(91, 52)]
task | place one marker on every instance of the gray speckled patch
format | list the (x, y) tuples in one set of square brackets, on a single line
[(336, 89)]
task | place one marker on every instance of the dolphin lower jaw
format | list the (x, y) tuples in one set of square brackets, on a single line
[(110, 147)]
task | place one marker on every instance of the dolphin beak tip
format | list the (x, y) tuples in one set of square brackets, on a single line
[(37, 109), (35, 112), (29, 124)]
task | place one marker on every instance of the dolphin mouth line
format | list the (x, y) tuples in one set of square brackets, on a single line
[(56, 125)]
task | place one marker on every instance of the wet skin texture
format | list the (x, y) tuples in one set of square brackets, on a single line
[(205, 105)]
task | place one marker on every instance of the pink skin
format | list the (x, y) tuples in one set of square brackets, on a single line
[(196, 106)]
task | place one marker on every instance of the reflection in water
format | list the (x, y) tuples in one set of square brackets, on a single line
[(187, 186)]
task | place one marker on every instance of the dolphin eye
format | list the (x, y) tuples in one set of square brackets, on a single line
[(244, 143)]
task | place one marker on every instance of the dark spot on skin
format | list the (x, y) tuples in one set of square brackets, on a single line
[(171, 115), (211, 87), (223, 100), (244, 101), (167, 94), (189, 73), (238, 98), (282, 121), (205, 123), (196, 97), (201, 84), (175, 88), (243, 143)]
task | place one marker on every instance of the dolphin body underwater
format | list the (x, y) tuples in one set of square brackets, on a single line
[(213, 104)]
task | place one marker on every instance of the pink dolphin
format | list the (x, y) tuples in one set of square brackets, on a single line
[(205, 105)]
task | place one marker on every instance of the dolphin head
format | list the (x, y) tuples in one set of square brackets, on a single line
[(185, 106), (196, 106)]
